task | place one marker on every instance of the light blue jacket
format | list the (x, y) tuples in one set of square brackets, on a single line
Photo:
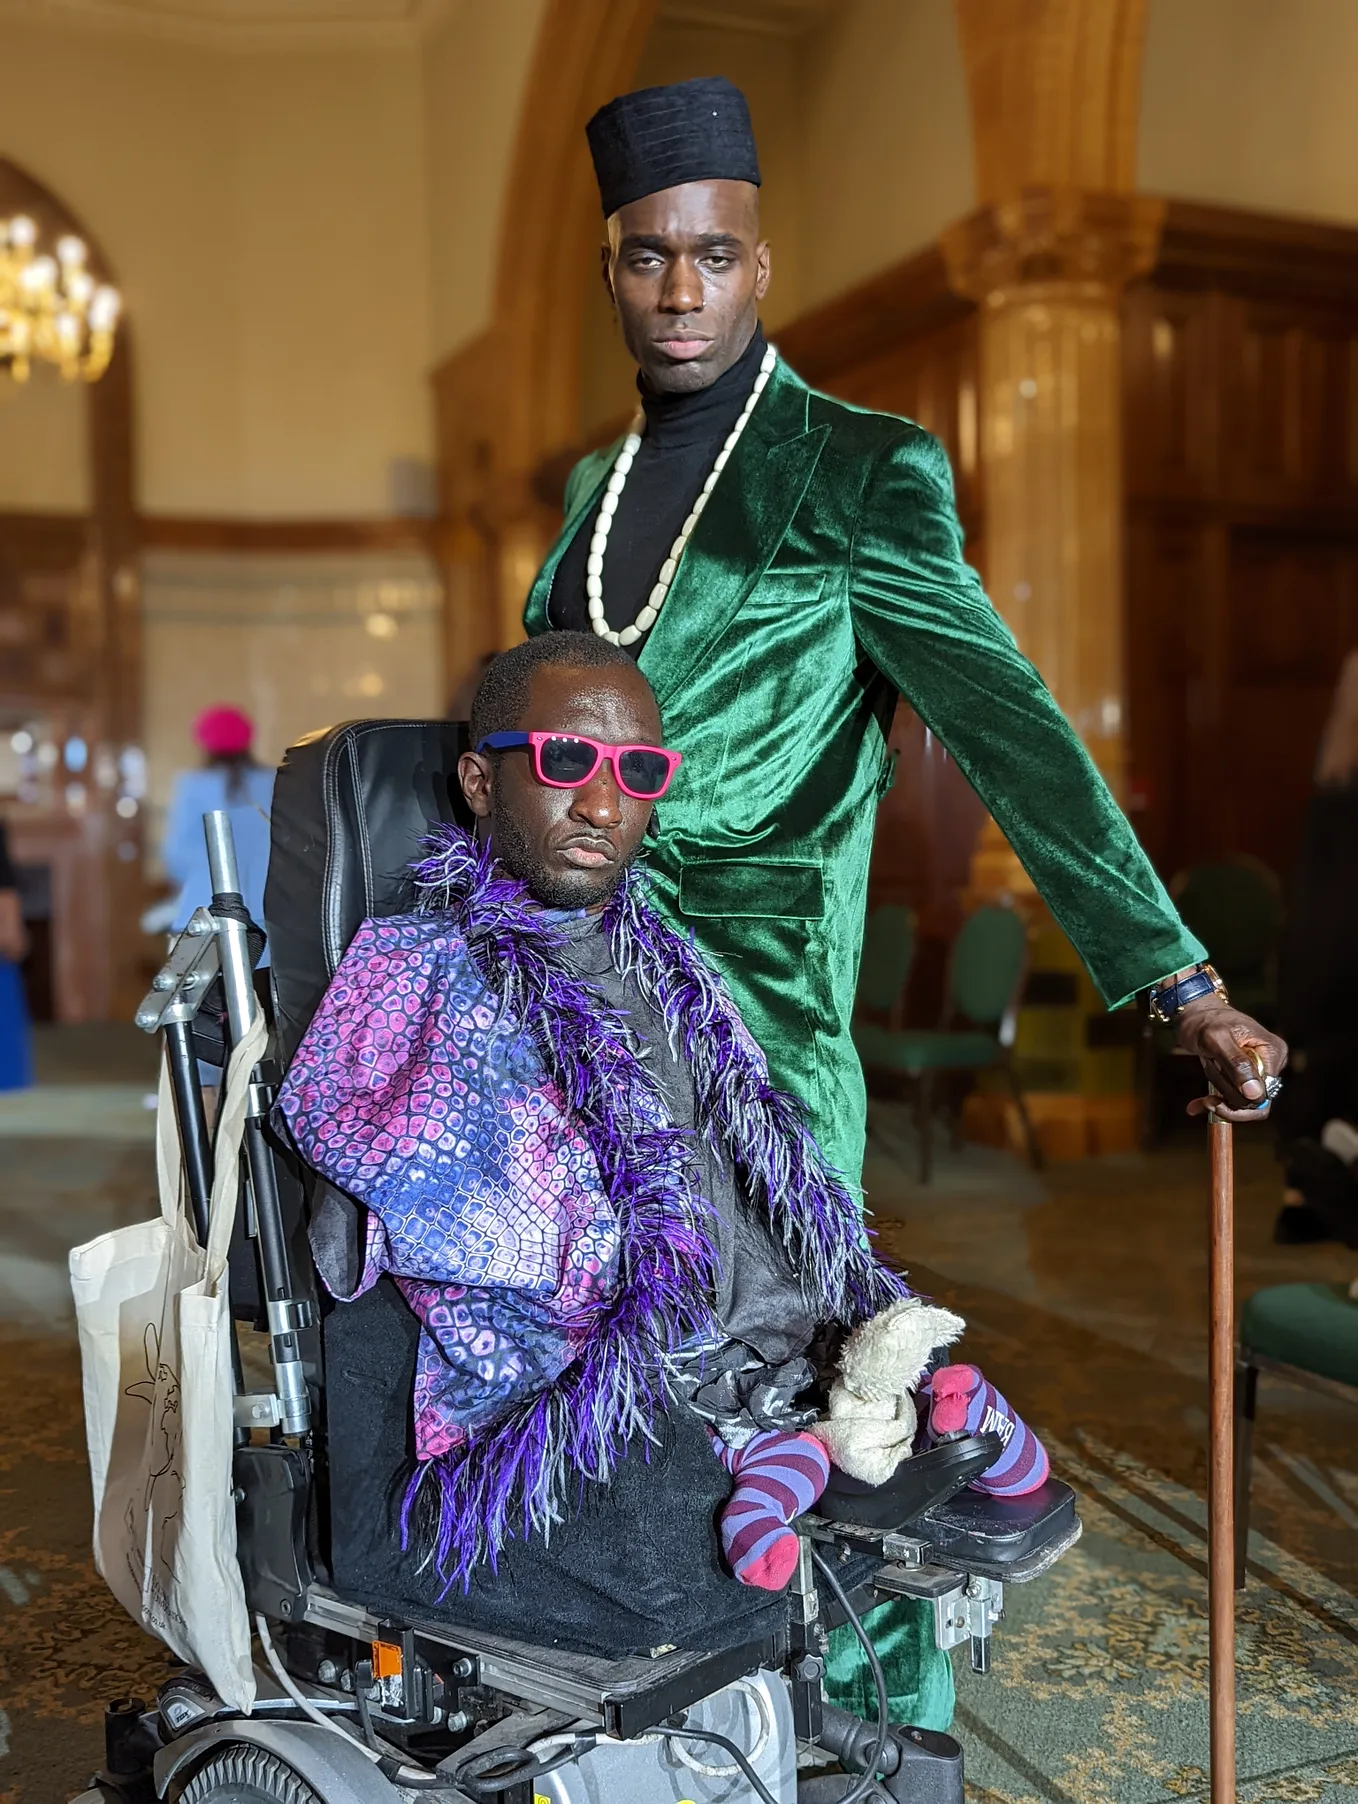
[(196, 792)]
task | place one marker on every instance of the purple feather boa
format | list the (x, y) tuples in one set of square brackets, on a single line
[(612, 1393)]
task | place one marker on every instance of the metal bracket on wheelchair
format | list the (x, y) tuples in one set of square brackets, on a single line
[(178, 989), (969, 1614)]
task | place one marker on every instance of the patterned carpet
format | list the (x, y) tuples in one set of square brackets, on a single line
[(1097, 1693)]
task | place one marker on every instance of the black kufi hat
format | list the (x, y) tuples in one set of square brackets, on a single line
[(691, 131)]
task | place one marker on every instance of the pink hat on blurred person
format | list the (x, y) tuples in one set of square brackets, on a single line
[(223, 732)]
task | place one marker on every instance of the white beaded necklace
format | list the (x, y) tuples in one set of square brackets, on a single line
[(608, 507)]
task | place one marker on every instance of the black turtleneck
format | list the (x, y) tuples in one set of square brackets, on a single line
[(683, 436)]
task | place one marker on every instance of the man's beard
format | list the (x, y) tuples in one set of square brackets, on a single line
[(553, 888)]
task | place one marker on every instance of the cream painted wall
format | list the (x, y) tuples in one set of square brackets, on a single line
[(1249, 103), (475, 70), (265, 217), (885, 136)]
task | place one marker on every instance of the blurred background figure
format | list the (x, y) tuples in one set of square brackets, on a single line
[(1318, 991), (230, 779), (16, 1071)]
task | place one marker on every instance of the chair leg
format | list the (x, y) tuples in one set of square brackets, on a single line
[(1029, 1137), (1246, 1389), (925, 1119)]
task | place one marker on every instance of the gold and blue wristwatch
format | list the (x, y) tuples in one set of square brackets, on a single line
[(1173, 994)]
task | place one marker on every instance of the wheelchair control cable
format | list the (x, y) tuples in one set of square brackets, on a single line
[(761, 1790), (867, 1784), (389, 1765)]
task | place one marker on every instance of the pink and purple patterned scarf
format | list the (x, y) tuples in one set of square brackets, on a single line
[(528, 1191)]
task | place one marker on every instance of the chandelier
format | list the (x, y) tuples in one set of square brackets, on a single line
[(52, 308)]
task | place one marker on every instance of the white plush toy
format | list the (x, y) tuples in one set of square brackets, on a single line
[(872, 1420)]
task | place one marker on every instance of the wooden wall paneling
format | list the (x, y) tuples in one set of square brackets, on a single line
[(1171, 437), (1292, 620), (1289, 383), (1168, 578)]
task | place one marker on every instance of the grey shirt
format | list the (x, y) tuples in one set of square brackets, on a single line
[(759, 1301)]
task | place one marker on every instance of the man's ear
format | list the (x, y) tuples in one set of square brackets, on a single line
[(606, 271), (763, 269), (474, 773)]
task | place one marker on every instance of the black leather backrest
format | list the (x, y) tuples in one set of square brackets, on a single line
[(350, 806)]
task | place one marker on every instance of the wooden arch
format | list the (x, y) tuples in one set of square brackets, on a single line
[(81, 662)]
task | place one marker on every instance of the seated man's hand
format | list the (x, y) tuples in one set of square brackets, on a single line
[(1237, 1055)]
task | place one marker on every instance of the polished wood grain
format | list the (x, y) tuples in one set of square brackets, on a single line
[(173, 532), (1240, 408)]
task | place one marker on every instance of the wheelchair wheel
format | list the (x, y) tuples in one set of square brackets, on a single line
[(241, 1774)]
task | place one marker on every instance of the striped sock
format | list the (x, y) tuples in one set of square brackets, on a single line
[(962, 1401), (778, 1476)]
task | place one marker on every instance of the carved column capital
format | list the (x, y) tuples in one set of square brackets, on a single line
[(1065, 237)]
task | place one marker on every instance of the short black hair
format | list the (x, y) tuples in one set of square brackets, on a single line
[(502, 694)]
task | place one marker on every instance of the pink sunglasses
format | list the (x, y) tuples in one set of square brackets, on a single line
[(569, 760)]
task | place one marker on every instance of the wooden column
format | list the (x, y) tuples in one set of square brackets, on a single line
[(1054, 87), (1048, 269)]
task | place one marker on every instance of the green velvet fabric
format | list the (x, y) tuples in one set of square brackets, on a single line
[(919, 1676), (1314, 1326), (825, 577)]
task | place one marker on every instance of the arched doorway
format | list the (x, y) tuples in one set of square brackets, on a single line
[(69, 686)]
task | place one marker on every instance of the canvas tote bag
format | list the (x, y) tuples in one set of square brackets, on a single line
[(155, 1347)]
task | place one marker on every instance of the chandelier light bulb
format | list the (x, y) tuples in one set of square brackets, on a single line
[(80, 286), (23, 232), (71, 251), (105, 308)]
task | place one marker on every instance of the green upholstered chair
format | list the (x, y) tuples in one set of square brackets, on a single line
[(1305, 1333), (985, 977), (884, 969)]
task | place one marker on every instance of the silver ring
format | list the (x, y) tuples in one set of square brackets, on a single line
[(1272, 1087)]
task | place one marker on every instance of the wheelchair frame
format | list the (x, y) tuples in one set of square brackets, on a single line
[(451, 1709)]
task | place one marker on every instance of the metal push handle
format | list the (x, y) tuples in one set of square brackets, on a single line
[(286, 1314)]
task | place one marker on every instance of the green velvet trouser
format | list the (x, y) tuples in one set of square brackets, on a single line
[(918, 1673)]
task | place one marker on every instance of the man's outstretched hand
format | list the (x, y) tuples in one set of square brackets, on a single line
[(1227, 1042)]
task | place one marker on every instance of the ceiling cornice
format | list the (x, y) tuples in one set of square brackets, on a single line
[(209, 24)]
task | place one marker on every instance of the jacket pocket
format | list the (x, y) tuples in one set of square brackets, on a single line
[(752, 888)]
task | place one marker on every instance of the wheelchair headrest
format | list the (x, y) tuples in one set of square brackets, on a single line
[(350, 806)]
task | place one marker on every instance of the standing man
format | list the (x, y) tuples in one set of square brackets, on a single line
[(784, 566)]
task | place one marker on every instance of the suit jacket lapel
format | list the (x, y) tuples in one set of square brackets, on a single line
[(742, 527)]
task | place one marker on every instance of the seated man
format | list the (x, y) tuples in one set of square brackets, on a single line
[(575, 1168)]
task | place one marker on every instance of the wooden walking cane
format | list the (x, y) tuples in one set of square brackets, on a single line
[(1221, 1486)]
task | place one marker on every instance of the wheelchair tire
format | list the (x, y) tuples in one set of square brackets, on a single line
[(241, 1774)]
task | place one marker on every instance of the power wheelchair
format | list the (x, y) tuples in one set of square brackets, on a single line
[(617, 1677)]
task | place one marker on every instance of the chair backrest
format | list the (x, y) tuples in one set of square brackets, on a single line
[(888, 953), (987, 963), (350, 807), (1235, 908)]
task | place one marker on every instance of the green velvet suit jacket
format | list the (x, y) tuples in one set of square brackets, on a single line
[(825, 578)]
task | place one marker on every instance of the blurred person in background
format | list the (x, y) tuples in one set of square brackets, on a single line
[(16, 1072), (230, 779), (1318, 993)]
